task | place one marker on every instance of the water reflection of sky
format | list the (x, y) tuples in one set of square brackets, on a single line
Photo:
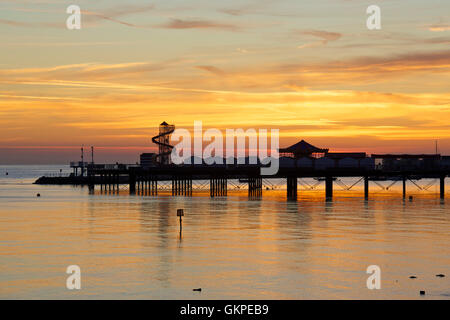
[(130, 247)]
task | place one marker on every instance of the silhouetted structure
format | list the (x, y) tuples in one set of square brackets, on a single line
[(303, 149), (301, 160), (407, 161), (148, 160), (163, 141)]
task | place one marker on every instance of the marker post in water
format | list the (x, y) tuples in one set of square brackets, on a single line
[(180, 213)]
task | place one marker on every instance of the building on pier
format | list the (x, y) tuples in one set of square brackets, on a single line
[(445, 162), (148, 160), (397, 162), (303, 149)]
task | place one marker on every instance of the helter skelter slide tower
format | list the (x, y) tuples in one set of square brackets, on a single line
[(163, 140)]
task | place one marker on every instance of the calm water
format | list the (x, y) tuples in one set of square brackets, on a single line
[(234, 248)]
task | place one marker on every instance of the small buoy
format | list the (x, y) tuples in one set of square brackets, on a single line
[(38, 195), (413, 277), (440, 275), (7, 173), (199, 289), (422, 292)]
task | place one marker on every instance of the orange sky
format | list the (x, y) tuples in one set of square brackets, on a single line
[(312, 70)]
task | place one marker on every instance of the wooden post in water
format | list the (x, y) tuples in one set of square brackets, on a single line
[(329, 188), (180, 214), (442, 187)]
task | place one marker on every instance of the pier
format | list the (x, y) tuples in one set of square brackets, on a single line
[(301, 160), (145, 181)]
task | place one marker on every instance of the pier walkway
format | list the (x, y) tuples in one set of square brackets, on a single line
[(146, 180)]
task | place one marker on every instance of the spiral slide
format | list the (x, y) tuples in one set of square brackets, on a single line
[(162, 139)]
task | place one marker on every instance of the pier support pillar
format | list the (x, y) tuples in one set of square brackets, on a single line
[(218, 187), (442, 187), (91, 183), (329, 188), (181, 186), (255, 187), (154, 187), (291, 184), (132, 182), (138, 183), (366, 188), (404, 187)]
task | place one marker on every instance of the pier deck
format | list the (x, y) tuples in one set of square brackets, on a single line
[(182, 176)]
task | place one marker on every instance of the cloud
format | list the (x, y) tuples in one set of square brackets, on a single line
[(114, 13), (366, 70), (326, 37), (14, 23), (180, 75), (82, 72), (198, 24), (438, 40), (439, 27), (260, 7), (213, 70), (90, 18)]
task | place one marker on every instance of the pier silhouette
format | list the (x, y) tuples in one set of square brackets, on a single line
[(301, 160)]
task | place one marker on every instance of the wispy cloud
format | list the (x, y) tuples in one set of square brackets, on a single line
[(260, 7), (15, 23), (198, 24), (214, 70), (83, 72), (439, 27), (371, 67), (113, 14), (178, 74), (326, 37), (89, 18)]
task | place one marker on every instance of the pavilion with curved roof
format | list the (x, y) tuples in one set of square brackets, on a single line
[(303, 149)]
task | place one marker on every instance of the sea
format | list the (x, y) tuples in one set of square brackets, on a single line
[(235, 247)]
